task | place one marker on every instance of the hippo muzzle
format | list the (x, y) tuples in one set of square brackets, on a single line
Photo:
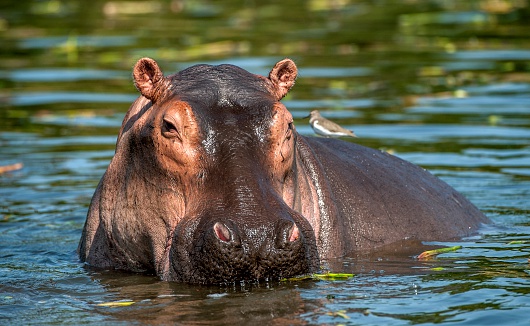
[(224, 250)]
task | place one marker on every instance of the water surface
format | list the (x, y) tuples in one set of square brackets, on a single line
[(444, 84)]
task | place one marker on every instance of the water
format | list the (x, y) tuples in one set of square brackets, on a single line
[(444, 84)]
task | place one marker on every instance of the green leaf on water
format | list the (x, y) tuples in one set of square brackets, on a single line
[(517, 242), (297, 278), (332, 276), (116, 304), (437, 269), (324, 276), (433, 253)]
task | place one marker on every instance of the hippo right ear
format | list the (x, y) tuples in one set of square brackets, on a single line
[(283, 76), (147, 78)]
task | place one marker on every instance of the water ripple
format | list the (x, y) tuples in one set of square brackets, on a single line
[(40, 98), (62, 75)]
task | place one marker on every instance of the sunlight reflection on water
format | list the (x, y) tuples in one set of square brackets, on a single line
[(455, 103)]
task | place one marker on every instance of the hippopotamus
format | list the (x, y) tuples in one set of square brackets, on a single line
[(211, 183)]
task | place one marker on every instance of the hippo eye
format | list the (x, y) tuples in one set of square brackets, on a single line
[(169, 130), (289, 131)]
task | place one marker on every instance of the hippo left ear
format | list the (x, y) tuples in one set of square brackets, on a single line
[(283, 76), (147, 78)]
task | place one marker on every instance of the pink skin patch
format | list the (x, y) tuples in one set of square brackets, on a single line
[(294, 234), (222, 232)]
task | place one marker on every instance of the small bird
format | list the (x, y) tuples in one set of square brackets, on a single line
[(324, 127)]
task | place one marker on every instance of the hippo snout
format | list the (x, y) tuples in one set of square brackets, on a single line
[(226, 251), (286, 233)]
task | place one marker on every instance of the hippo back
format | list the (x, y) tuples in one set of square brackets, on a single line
[(380, 198)]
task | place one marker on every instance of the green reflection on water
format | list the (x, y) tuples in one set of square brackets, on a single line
[(443, 83)]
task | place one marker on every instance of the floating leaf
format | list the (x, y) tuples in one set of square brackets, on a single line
[(332, 276), (116, 304), (340, 313), (325, 276), (437, 269), (297, 278), (432, 253), (517, 242)]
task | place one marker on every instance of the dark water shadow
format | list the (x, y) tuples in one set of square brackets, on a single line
[(279, 303), (162, 303)]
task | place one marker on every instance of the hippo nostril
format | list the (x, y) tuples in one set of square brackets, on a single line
[(221, 231), (294, 233), (288, 234)]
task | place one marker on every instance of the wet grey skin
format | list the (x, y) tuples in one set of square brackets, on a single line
[(324, 127)]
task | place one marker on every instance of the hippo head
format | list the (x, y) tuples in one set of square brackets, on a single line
[(207, 163)]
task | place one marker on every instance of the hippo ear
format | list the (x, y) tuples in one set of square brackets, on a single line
[(147, 76), (283, 76)]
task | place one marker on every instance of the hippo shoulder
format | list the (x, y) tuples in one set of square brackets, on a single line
[(382, 198)]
